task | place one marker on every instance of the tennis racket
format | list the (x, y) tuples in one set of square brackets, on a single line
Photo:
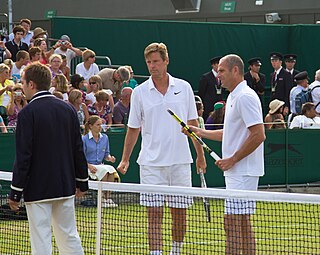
[(206, 202), (193, 134)]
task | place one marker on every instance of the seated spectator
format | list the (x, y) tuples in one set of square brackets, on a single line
[(113, 79), (38, 32), (10, 64), (88, 67), (122, 107), (132, 83), (77, 82), (18, 101), (55, 62), (64, 68), (60, 83), (215, 119), (4, 52), (315, 87), (97, 150), (101, 107), (278, 124), (302, 81), (2, 126), (16, 43), (75, 98), (65, 48), (95, 84), (34, 54), (308, 118), (6, 85), (45, 54), (199, 106), (275, 113), (22, 60)]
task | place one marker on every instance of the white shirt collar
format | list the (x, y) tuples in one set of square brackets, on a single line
[(90, 135)]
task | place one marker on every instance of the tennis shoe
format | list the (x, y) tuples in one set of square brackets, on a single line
[(108, 203)]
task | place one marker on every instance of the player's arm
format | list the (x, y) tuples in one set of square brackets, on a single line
[(255, 138), (129, 143), (215, 135)]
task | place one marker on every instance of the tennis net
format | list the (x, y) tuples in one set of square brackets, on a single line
[(282, 223)]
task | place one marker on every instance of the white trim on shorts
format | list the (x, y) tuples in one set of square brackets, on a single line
[(241, 206), (176, 175)]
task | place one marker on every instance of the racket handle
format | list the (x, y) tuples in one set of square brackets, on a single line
[(214, 155)]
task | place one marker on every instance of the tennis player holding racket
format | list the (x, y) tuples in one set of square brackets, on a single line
[(165, 156), (242, 150)]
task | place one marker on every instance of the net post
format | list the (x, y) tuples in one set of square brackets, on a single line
[(99, 217)]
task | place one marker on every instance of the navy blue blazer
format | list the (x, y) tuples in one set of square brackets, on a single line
[(50, 162)]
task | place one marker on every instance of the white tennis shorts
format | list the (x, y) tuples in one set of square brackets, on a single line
[(102, 170), (241, 206), (176, 175)]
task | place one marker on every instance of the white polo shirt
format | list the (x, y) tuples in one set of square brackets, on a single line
[(243, 110), (163, 144)]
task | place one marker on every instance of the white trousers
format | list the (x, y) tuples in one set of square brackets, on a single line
[(60, 214)]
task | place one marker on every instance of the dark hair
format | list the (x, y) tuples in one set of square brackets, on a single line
[(39, 74), (92, 119), (217, 116), (34, 50), (75, 80), (199, 105), (21, 54), (306, 107), (18, 28)]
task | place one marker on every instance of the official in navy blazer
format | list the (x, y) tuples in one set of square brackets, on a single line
[(210, 90), (281, 80), (50, 166)]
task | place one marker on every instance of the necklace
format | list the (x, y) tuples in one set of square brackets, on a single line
[(100, 109)]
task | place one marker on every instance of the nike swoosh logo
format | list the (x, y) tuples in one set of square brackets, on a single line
[(176, 93)]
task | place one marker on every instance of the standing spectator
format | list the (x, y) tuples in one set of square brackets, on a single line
[(101, 107), (50, 166), (22, 60), (302, 81), (55, 62), (308, 118), (64, 68), (168, 147), (216, 117), (132, 83), (2, 126), (27, 38), (97, 149), (315, 87), (18, 101), (4, 52), (281, 81), (290, 61), (122, 107), (16, 43), (75, 98), (275, 113), (6, 85), (242, 149), (38, 32), (66, 48), (113, 79), (255, 79), (210, 89), (88, 67)]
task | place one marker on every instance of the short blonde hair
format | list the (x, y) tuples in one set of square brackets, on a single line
[(53, 56), (157, 47), (4, 67), (74, 95), (87, 54), (8, 62)]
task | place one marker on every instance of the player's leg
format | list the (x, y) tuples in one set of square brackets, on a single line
[(247, 235), (155, 215), (64, 227), (39, 217), (179, 228), (232, 227)]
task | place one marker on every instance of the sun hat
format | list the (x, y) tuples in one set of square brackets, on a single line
[(275, 105), (37, 32)]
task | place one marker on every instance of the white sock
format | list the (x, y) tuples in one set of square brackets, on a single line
[(155, 252), (176, 246)]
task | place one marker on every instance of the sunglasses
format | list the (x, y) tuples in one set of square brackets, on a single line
[(93, 82), (93, 56)]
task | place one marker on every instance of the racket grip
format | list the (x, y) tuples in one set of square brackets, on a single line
[(214, 155)]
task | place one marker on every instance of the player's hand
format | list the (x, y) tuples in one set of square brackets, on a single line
[(201, 164), (92, 168), (80, 193), (111, 159), (226, 164), (14, 205), (123, 167)]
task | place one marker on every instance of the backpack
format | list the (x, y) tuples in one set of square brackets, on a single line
[(303, 97)]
